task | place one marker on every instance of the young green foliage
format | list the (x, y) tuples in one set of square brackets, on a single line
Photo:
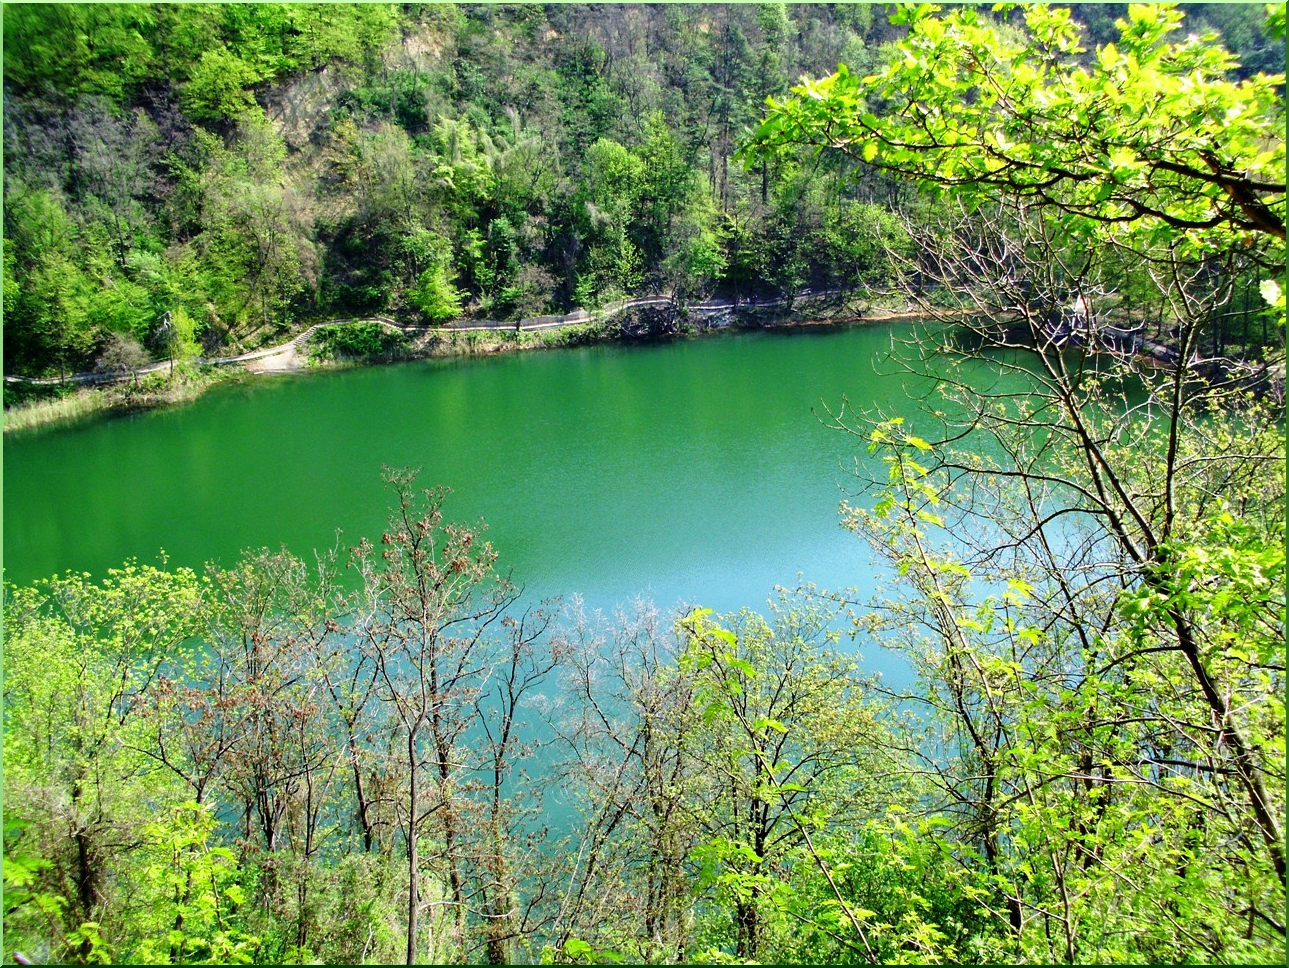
[(1148, 134)]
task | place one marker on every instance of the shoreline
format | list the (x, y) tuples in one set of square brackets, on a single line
[(95, 396), (156, 389)]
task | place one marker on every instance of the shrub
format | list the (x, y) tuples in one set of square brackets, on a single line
[(356, 341)]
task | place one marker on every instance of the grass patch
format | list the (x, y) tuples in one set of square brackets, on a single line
[(23, 394), (42, 412), (154, 390)]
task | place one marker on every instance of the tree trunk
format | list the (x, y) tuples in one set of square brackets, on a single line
[(498, 929), (361, 795), (1248, 769), (748, 925), (413, 858), (443, 752)]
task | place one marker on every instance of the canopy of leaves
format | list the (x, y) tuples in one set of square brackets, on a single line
[(1148, 131)]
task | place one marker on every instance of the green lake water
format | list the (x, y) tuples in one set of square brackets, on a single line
[(696, 471)]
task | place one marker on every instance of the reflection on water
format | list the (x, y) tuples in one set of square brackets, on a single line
[(696, 471)]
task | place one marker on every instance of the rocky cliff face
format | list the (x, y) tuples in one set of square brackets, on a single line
[(300, 111)]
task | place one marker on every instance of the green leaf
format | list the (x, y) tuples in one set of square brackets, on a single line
[(576, 948), (766, 723)]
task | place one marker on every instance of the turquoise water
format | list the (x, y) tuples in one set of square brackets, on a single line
[(697, 471)]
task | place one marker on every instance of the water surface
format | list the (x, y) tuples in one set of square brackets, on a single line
[(696, 471)]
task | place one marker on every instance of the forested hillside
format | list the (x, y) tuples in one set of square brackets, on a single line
[(201, 178), (384, 753), (246, 167)]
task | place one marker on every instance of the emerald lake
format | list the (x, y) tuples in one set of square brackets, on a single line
[(695, 471)]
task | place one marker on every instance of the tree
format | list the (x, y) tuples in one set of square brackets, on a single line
[(80, 660), (429, 598), (1147, 134), (669, 184), (709, 757), (178, 335), (90, 50), (791, 745), (603, 216), (378, 168), (218, 87), (121, 354), (258, 228), (1075, 650), (856, 237), (429, 259), (696, 258), (628, 735), (435, 295), (48, 322), (733, 70), (1071, 732), (113, 175), (513, 877), (194, 894), (270, 623), (1135, 145)]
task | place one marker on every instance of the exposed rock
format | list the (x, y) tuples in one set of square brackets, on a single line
[(301, 110), (420, 50)]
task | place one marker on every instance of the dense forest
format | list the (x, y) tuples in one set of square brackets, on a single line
[(186, 181), (384, 753)]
